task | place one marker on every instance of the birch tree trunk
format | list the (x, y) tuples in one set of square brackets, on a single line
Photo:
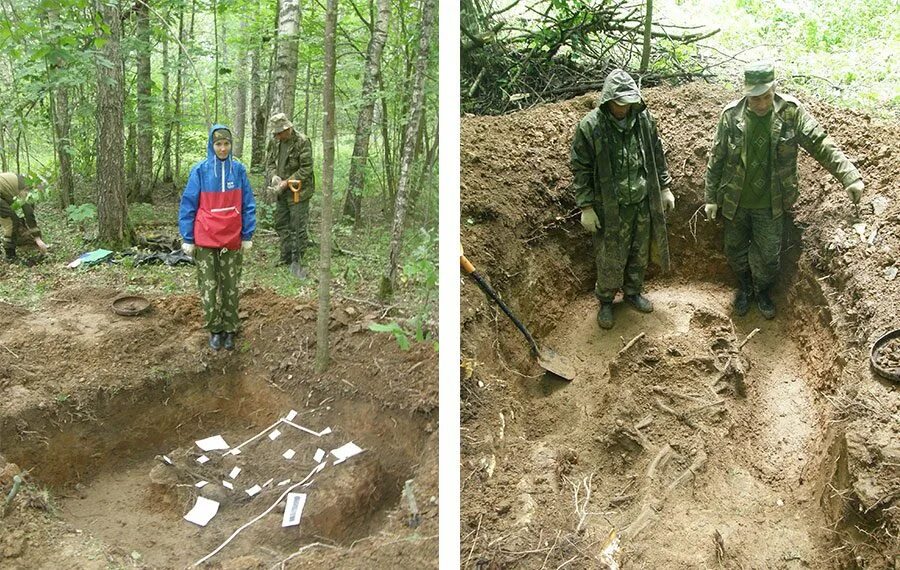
[(324, 316), (240, 99), (62, 122), (144, 146), (285, 80), (167, 114), (359, 160), (648, 23), (112, 210), (389, 280)]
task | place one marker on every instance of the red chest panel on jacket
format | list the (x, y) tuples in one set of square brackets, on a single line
[(218, 222)]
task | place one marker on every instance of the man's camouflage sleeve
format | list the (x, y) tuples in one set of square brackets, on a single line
[(716, 164), (581, 161), (271, 160), (305, 171), (817, 143), (662, 167)]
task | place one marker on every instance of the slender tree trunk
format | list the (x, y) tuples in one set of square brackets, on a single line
[(389, 280), (648, 22), (144, 170), (61, 124), (167, 114), (240, 99), (179, 85), (359, 160), (257, 114), (285, 80), (389, 185), (215, 13), (112, 208), (306, 97), (324, 317)]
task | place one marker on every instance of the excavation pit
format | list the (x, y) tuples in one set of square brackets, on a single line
[(688, 439), (115, 447)]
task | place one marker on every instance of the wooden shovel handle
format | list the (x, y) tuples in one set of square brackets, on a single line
[(466, 265)]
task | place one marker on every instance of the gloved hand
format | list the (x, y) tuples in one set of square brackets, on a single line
[(710, 211), (668, 200), (188, 249), (41, 245), (589, 219), (247, 245), (276, 182), (855, 191)]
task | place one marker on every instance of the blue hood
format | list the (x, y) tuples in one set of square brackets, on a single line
[(211, 157)]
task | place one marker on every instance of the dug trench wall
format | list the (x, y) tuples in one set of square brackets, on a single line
[(837, 294)]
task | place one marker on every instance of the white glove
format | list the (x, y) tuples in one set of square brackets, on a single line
[(668, 200), (41, 245), (589, 220), (276, 181), (855, 191), (710, 210), (247, 245), (188, 249)]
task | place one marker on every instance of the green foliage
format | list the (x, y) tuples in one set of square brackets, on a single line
[(395, 329), (81, 214)]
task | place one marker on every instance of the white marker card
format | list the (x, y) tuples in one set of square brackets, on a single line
[(320, 454), (283, 483), (202, 459), (289, 454), (294, 509), (254, 490), (234, 473), (167, 460), (325, 431), (212, 443), (273, 435), (291, 415), (227, 485), (201, 484), (346, 451), (204, 510)]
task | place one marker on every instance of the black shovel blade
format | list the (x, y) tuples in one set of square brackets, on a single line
[(556, 364)]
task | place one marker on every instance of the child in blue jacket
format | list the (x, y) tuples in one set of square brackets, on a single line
[(217, 219)]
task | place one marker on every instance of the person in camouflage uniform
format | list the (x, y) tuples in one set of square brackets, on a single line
[(621, 184), (217, 218), (751, 177), (14, 186), (288, 160)]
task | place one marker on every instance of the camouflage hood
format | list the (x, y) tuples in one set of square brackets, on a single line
[(619, 84)]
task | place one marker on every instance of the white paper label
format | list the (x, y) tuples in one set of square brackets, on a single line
[(294, 509), (320, 454), (202, 459), (291, 415), (254, 490), (212, 443), (273, 435), (227, 485), (289, 454), (204, 510), (201, 484), (234, 473)]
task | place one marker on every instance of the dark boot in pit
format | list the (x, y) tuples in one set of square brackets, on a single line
[(766, 306), (605, 316), (640, 303), (743, 295)]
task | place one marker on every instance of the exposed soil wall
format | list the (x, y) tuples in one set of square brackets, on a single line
[(529, 444)]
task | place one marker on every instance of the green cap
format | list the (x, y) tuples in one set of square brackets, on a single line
[(221, 135), (759, 77)]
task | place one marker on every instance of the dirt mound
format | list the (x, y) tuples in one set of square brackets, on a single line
[(90, 401), (798, 436)]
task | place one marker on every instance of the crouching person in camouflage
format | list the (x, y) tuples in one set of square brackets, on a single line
[(621, 184), (14, 186), (751, 178), (289, 170), (217, 219)]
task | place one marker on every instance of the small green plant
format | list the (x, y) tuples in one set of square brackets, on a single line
[(81, 214), (395, 329)]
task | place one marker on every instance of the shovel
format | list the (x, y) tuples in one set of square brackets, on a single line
[(546, 358)]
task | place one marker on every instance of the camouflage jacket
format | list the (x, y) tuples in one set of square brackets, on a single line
[(593, 183), (13, 186), (297, 166), (792, 126)]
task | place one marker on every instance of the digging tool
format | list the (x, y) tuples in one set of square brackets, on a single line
[(546, 358)]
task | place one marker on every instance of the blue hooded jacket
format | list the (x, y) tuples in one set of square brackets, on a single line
[(214, 175)]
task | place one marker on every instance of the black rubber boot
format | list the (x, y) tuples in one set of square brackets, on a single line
[(640, 303), (228, 343), (605, 315), (743, 295), (9, 247), (215, 340), (766, 306)]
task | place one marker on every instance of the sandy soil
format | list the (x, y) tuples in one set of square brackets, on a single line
[(90, 401), (696, 452)]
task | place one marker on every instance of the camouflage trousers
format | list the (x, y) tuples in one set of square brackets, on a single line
[(7, 221), (291, 223), (218, 275), (622, 262), (753, 244)]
